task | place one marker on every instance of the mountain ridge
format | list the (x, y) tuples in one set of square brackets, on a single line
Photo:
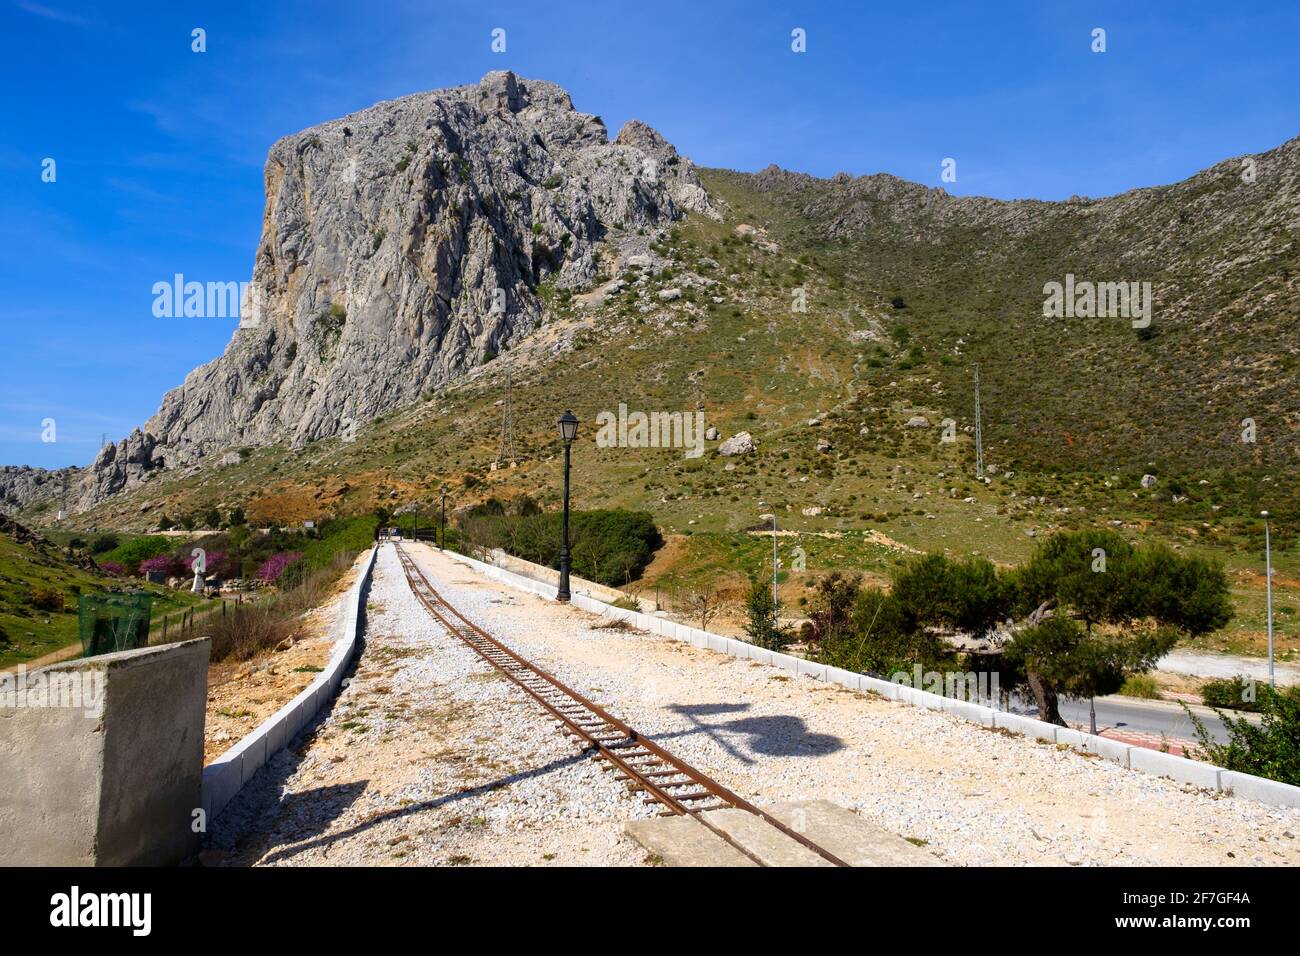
[(1211, 224)]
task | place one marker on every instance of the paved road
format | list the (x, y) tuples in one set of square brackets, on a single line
[(1155, 717), (1227, 665)]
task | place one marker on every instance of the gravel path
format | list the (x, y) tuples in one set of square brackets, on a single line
[(427, 757), (974, 796)]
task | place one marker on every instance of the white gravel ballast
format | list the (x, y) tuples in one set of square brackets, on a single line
[(970, 795)]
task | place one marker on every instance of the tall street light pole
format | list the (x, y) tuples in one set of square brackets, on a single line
[(568, 432), (1268, 585), (442, 522), (773, 517)]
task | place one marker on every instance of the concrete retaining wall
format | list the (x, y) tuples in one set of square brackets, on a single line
[(224, 777), (1142, 759), (110, 784)]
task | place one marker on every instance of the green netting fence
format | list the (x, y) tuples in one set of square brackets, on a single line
[(113, 622)]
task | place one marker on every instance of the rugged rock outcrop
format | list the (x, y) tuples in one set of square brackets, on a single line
[(401, 246), (22, 485)]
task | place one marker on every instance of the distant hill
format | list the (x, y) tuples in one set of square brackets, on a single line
[(838, 321)]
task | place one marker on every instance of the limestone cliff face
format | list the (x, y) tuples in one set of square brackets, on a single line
[(401, 246)]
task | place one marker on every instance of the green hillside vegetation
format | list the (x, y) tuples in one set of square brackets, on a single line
[(38, 599), (906, 290)]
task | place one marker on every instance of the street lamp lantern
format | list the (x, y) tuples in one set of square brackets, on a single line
[(568, 427), (1268, 589), (568, 432)]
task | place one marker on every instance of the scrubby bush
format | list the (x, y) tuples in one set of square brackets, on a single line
[(1269, 749), (273, 568), (1237, 693), (968, 595), (133, 552), (168, 564), (609, 547), (251, 629), (46, 598), (103, 543)]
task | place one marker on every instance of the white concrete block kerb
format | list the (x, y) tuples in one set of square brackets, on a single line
[(1142, 759), (225, 776)]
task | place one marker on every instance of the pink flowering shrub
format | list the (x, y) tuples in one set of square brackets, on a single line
[(274, 566), (168, 564), (219, 565), (112, 567)]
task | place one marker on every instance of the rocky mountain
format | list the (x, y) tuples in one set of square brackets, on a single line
[(407, 245), (402, 246), (23, 486)]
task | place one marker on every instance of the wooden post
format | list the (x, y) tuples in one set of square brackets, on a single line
[(164, 628)]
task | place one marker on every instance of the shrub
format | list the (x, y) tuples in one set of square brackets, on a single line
[(969, 595), (1269, 749), (761, 617), (103, 543), (169, 564), (1141, 685), (46, 598), (1236, 693), (609, 547), (133, 552), (882, 637), (253, 628), (273, 568), (113, 568)]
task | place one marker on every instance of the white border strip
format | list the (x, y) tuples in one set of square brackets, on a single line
[(225, 776), (1179, 769)]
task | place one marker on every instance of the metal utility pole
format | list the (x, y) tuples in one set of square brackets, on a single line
[(506, 452), (979, 435), (568, 432)]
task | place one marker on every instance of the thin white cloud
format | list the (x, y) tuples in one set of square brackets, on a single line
[(50, 13)]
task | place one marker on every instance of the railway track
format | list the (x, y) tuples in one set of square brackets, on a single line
[(643, 765)]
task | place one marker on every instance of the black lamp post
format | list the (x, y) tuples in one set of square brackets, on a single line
[(568, 432), (442, 522)]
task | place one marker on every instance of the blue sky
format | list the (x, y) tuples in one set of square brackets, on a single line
[(159, 150)]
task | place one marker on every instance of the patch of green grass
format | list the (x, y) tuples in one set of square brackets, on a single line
[(1141, 685)]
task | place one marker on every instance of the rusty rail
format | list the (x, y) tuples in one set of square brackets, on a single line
[(643, 764)]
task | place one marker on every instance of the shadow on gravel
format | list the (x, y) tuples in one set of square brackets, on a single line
[(414, 808), (242, 831), (778, 735)]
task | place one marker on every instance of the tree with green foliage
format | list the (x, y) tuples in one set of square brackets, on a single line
[(761, 614), (1103, 609), (968, 595), (882, 637), (831, 617), (212, 518)]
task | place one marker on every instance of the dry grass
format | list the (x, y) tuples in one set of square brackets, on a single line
[(251, 629)]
